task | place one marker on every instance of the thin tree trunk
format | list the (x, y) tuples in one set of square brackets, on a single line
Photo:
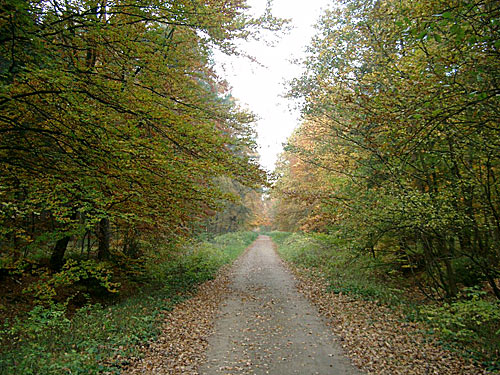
[(103, 237), (89, 244), (82, 248), (131, 243), (450, 271), (57, 257)]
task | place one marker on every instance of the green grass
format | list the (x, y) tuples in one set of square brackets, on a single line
[(469, 325), (346, 271), (98, 339)]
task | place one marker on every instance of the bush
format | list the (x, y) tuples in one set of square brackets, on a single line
[(279, 237), (47, 342), (470, 320), (194, 265), (347, 271), (467, 272), (198, 262), (86, 274), (98, 340), (233, 244)]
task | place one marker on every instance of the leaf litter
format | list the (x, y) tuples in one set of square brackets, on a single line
[(375, 337), (378, 339), (181, 346)]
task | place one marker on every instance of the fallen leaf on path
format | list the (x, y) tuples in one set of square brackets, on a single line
[(181, 346), (376, 338)]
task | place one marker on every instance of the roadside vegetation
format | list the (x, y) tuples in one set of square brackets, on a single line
[(394, 168), (99, 339), (119, 145), (469, 324)]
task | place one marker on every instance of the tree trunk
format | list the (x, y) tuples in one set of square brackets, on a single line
[(89, 244), (103, 237), (450, 271), (452, 289), (131, 244), (57, 257), (493, 284)]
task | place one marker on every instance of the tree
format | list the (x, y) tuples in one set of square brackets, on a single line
[(112, 116), (407, 94)]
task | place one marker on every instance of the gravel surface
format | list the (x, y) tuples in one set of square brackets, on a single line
[(252, 320), (265, 326)]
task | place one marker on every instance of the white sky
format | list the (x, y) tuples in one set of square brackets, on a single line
[(261, 89)]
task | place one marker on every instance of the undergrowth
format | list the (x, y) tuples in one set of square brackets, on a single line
[(347, 271), (97, 339), (469, 324)]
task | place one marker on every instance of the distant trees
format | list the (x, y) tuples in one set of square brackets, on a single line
[(400, 147), (238, 214), (112, 119)]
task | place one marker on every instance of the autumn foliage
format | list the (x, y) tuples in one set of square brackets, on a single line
[(399, 148), (115, 130)]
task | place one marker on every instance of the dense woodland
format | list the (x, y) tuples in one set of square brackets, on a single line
[(124, 158), (115, 129), (394, 170), (120, 146), (399, 149)]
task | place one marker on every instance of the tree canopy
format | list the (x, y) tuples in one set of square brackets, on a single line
[(112, 114), (399, 149)]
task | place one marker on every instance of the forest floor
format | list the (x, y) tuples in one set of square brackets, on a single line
[(256, 317), (249, 320)]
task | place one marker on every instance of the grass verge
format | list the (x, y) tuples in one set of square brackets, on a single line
[(97, 339), (469, 325), (346, 271)]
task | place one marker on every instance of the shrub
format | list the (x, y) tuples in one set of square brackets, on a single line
[(197, 262), (347, 271), (98, 340), (47, 342), (470, 320), (87, 274), (279, 237)]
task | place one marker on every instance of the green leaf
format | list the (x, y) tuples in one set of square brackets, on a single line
[(422, 34), (446, 15)]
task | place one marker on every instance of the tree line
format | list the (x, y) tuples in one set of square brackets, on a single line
[(114, 123), (399, 148)]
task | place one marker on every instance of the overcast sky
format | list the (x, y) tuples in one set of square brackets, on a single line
[(261, 89)]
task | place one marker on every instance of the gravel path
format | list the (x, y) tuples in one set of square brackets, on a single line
[(266, 327)]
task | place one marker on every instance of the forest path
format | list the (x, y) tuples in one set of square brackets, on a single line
[(265, 326)]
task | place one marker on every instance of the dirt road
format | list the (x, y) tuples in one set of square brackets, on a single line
[(266, 327)]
